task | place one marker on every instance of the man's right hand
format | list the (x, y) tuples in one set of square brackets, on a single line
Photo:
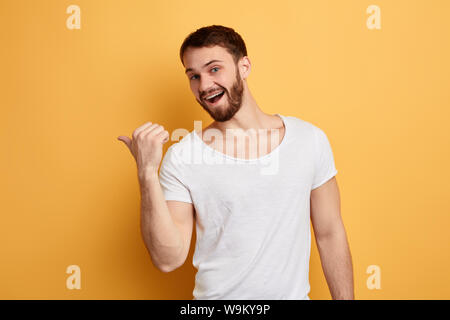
[(146, 147)]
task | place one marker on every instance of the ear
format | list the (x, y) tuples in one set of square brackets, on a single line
[(245, 67)]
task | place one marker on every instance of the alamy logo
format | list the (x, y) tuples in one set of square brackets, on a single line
[(374, 280), (242, 144), (74, 280), (74, 20), (374, 20)]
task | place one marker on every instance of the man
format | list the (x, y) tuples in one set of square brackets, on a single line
[(252, 225)]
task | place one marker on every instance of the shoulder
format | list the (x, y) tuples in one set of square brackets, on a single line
[(301, 126), (182, 148), (307, 132)]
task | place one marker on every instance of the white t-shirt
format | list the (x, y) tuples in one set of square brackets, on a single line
[(252, 216)]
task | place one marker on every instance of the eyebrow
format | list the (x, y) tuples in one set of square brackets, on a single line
[(206, 64)]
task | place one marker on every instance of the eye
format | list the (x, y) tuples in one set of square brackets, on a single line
[(192, 77)]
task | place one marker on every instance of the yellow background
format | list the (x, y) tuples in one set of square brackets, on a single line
[(69, 190)]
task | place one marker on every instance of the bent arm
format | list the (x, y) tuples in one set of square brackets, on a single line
[(161, 235)]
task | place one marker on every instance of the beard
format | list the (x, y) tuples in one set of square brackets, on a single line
[(231, 105)]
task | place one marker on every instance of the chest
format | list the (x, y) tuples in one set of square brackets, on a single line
[(250, 145)]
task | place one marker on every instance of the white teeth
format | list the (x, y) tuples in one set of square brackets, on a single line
[(210, 97)]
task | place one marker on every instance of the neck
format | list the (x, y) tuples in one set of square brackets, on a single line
[(249, 116)]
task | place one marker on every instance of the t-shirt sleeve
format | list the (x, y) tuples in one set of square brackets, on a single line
[(171, 178), (324, 161)]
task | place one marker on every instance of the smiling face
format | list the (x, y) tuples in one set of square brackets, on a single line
[(211, 70)]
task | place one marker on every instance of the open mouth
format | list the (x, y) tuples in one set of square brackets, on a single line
[(215, 98)]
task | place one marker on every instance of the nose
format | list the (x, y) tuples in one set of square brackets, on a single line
[(206, 85)]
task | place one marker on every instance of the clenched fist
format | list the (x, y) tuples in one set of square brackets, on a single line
[(146, 147)]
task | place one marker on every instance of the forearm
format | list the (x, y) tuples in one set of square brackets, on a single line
[(161, 235), (337, 266)]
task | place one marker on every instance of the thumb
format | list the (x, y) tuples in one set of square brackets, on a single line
[(125, 140)]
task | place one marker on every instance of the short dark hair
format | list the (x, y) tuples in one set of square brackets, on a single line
[(216, 35)]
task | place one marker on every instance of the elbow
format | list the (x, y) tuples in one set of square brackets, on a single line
[(335, 230), (166, 265), (160, 265), (166, 268), (331, 234)]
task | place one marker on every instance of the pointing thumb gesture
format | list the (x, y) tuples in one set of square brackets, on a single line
[(125, 140), (146, 146)]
